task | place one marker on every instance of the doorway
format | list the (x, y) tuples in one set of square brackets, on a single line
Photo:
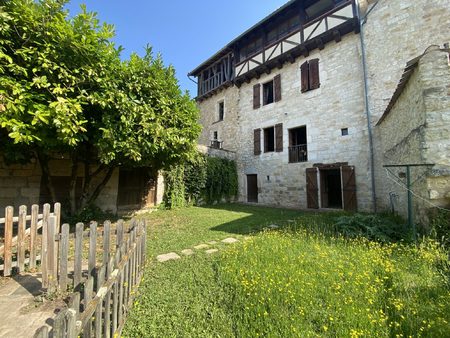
[(331, 188), (252, 188)]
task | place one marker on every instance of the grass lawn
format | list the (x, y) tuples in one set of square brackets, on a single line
[(286, 283)]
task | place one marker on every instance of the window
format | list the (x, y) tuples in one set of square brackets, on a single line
[(269, 139), (283, 29), (221, 109), (273, 139), (268, 93), (250, 49), (310, 75), (215, 143), (271, 92), (298, 148), (215, 135), (344, 131)]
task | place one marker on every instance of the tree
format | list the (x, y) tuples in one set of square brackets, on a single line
[(65, 90)]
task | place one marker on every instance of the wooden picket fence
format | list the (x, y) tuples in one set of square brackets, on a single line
[(102, 292), (25, 248)]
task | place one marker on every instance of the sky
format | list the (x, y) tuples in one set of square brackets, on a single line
[(186, 33)]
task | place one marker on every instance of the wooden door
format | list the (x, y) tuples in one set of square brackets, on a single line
[(136, 188), (312, 191), (252, 188), (349, 188)]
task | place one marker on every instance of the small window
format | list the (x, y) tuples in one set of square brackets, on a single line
[(221, 109), (269, 139), (319, 8), (216, 137), (344, 131), (268, 93)]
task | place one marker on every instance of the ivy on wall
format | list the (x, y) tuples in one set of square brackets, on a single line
[(201, 180)]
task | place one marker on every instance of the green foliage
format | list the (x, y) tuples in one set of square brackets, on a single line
[(221, 180), (202, 178), (174, 193), (440, 226), (373, 227)]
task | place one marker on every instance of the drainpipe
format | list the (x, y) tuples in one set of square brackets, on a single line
[(361, 21)]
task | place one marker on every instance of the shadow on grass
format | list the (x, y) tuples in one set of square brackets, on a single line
[(259, 218)]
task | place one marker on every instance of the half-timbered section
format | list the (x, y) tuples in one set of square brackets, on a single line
[(293, 30)]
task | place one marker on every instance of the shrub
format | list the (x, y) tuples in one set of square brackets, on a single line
[(374, 227)]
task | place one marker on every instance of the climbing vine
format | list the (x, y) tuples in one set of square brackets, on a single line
[(201, 180)]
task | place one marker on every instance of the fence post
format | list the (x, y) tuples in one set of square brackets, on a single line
[(63, 257), (106, 242), (7, 259), (52, 254), (92, 247), (78, 255), (44, 259), (21, 238), (33, 235)]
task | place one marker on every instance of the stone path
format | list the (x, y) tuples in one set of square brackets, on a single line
[(22, 308), (203, 247)]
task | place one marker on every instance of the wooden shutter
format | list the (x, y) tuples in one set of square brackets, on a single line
[(312, 191), (256, 96), (314, 80), (277, 88), (304, 69), (279, 137), (257, 142), (349, 188)]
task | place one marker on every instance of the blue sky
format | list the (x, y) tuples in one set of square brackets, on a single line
[(186, 33)]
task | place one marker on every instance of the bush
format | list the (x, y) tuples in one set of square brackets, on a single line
[(440, 226), (374, 227), (204, 178)]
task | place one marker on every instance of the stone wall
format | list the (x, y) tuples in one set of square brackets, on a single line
[(337, 104), (21, 184), (416, 131), (397, 31), (209, 119)]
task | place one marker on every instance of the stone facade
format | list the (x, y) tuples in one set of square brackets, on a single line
[(394, 32)]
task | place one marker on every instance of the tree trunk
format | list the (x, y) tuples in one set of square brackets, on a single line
[(43, 162), (73, 184), (101, 185)]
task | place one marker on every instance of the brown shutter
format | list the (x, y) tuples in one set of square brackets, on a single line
[(256, 96), (314, 80), (277, 88), (279, 137), (312, 191), (304, 69), (257, 142), (349, 188)]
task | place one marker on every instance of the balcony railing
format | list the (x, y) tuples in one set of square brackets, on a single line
[(216, 144), (298, 153)]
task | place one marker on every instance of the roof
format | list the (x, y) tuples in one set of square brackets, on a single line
[(407, 73), (225, 50)]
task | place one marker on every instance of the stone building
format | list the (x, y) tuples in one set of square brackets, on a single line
[(297, 97)]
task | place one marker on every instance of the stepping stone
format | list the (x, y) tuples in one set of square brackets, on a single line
[(211, 251), (187, 252), (212, 242), (201, 246), (167, 257), (230, 240)]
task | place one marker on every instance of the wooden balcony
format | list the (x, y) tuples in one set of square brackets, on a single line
[(314, 34), (298, 153)]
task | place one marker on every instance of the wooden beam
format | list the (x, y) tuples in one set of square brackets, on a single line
[(291, 58), (320, 43), (279, 64), (305, 51), (337, 35)]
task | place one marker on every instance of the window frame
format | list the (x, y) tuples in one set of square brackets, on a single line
[(266, 137), (221, 110)]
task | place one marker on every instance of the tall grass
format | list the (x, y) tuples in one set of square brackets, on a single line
[(309, 285)]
